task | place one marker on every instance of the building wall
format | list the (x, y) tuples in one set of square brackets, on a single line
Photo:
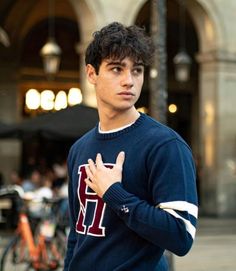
[(217, 84)]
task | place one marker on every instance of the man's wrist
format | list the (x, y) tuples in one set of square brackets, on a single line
[(115, 196)]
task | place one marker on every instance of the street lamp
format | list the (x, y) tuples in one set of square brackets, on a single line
[(51, 51), (182, 60)]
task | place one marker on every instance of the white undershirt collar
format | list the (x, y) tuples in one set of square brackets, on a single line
[(113, 130)]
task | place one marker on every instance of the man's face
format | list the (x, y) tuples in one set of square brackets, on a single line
[(118, 83)]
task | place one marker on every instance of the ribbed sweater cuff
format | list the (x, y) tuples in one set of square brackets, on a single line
[(116, 196)]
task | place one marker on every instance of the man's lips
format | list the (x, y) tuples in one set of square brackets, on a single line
[(126, 93)]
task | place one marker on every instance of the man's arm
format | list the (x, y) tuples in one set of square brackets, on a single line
[(170, 222), (154, 224)]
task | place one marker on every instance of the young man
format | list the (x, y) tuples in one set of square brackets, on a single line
[(132, 180)]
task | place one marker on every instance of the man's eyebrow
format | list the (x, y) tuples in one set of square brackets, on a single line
[(111, 63), (123, 64)]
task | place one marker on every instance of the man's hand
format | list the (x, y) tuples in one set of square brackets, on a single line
[(100, 177)]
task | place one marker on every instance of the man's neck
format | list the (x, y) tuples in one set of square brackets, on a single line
[(110, 121)]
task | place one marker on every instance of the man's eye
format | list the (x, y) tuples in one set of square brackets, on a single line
[(116, 69), (138, 70)]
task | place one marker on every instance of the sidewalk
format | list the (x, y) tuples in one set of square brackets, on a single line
[(214, 248)]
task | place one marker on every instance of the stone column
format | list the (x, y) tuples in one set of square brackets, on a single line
[(89, 95), (10, 149), (218, 132)]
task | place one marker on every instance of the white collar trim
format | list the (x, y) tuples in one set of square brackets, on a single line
[(113, 130)]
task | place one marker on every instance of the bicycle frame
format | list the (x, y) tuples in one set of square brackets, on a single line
[(40, 249), (37, 252)]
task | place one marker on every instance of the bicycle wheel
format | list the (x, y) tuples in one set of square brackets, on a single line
[(15, 256)]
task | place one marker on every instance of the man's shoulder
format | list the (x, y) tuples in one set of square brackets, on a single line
[(159, 132), (157, 129)]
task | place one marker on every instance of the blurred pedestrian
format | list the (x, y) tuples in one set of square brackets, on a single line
[(32, 181), (60, 171), (45, 189), (16, 178), (132, 190)]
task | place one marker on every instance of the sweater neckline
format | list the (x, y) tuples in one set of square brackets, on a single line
[(120, 132), (113, 130)]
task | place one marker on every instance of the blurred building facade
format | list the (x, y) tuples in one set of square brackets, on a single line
[(206, 102)]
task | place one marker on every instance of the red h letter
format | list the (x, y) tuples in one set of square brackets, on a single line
[(86, 197)]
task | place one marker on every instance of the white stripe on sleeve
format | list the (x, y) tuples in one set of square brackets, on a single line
[(180, 206), (192, 209)]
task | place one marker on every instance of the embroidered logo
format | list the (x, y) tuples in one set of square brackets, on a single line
[(125, 209)]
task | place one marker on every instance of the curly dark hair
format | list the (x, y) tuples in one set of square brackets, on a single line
[(117, 41)]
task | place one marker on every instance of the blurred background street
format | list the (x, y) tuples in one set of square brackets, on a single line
[(214, 248)]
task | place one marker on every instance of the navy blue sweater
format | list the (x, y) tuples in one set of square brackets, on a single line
[(154, 207)]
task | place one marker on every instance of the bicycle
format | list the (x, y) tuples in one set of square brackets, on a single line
[(40, 248)]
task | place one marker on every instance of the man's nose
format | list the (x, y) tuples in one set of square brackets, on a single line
[(127, 79)]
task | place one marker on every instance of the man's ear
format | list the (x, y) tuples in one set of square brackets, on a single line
[(91, 74)]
